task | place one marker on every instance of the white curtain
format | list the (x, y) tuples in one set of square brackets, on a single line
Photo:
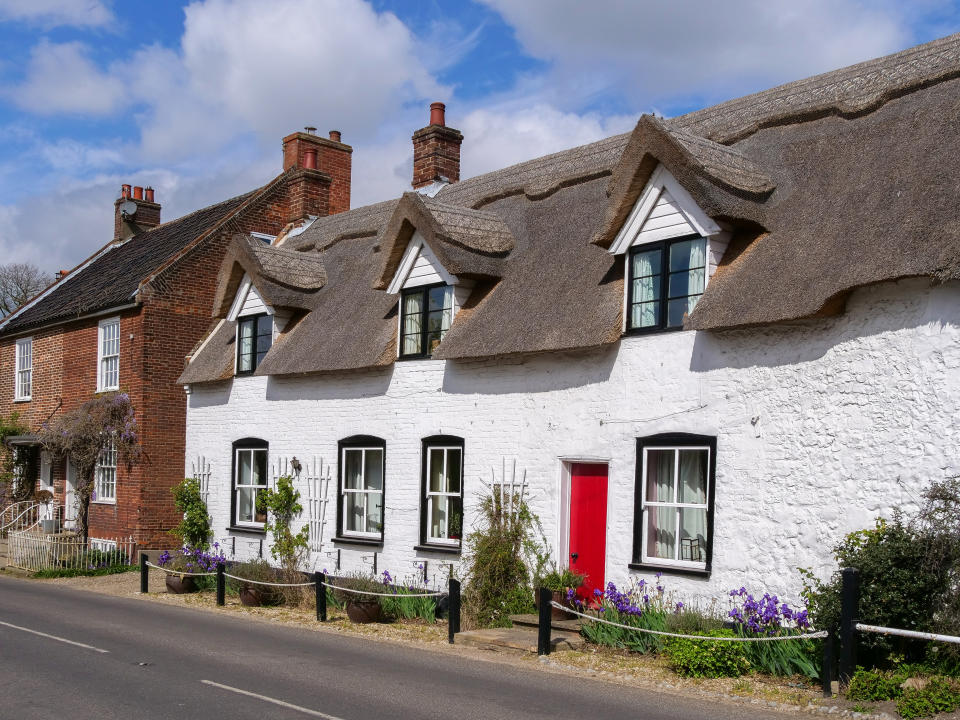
[(661, 521), (697, 272), (693, 490), (643, 311)]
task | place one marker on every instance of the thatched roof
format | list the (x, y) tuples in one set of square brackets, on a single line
[(825, 185)]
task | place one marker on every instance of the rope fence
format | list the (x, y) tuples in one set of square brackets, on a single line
[(271, 584), (179, 572), (376, 594), (708, 638)]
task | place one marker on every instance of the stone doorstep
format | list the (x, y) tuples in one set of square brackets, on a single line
[(532, 620), (522, 639)]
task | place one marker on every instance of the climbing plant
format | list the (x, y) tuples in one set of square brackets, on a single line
[(10, 459), (84, 433), (194, 528)]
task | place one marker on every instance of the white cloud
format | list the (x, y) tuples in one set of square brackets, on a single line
[(650, 50), (55, 13), (61, 78)]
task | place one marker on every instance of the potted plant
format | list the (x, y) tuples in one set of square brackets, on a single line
[(189, 560), (560, 583), (252, 593), (360, 608)]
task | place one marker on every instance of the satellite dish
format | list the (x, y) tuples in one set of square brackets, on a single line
[(128, 208)]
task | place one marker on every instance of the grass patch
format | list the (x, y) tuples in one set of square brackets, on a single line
[(79, 572)]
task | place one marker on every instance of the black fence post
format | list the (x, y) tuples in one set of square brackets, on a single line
[(144, 574), (453, 610), (826, 674), (319, 579), (221, 585), (850, 601), (545, 621)]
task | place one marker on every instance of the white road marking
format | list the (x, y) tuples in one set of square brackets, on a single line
[(265, 698), (54, 637)]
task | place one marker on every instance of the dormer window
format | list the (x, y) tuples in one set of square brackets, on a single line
[(666, 280), (425, 317), (254, 338)]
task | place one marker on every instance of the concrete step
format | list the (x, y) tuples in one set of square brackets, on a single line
[(517, 639), (531, 620)]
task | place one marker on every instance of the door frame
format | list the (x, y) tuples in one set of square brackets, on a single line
[(69, 473), (564, 481)]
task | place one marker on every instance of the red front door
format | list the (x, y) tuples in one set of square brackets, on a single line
[(588, 523)]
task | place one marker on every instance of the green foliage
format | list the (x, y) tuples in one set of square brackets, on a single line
[(402, 605), (783, 657), (9, 458), (560, 580), (899, 587), (194, 528), (505, 553), (939, 695), (602, 634), (76, 572), (82, 434), (709, 659), (875, 686), (260, 571), (283, 505)]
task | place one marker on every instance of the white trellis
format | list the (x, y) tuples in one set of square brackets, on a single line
[(201, 472), (507, 490), (316, 476)]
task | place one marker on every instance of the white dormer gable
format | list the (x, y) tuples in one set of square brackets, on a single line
[(248, 301), (419, 267), (664, 210)]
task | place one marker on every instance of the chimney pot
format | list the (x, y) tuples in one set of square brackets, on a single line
[(148, 194), (125, 192), (310, 158), (335, 135), (137, 192), (437, 111), (310, 130)]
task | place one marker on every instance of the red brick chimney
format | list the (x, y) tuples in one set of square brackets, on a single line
[(320, 181), (436, 151), (142, 213)]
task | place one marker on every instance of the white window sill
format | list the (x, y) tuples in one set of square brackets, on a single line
[(104, 502), (108, 389), (23, 399)]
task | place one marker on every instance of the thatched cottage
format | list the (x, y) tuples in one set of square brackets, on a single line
[(710, 346)]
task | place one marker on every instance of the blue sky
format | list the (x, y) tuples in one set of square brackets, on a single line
[(193, 97)]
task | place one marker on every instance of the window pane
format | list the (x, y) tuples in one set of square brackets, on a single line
[(260, 467), (436, 470), (244, 467), (661, 532), (455, 508), (259, 515), (693, 477), (245, 504), (441, 298), (646, 289), (645, 315), (374, 512), (413, 303), (453, 470), (660, 475), (438, 517), (374, 470), (352, 469), (693, 534), (353, 512), (646, 264), (411, 345), (688, 254), (245, 357), (679, 309), (264, 336)]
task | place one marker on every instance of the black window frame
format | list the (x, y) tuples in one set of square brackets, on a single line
[(425, 446), (360, 441), (674, 440), (664, 275), (248, 443), (257, 355), (423, 290)]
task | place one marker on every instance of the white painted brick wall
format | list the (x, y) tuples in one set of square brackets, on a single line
[(855, 415)]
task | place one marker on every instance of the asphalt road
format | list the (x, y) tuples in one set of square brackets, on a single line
[(77, 655)]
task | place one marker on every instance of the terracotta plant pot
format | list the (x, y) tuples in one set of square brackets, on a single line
[(364, 611), (559, 596), (180, 585), (257, 596)]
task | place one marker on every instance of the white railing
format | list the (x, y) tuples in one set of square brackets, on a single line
[(35, 552), (19, 516), (908, 633)]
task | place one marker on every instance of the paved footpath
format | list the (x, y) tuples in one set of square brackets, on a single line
[(69, 653)]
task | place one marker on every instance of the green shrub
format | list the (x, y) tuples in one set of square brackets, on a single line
[(875, 686), (259, 571), (77, 572), (709, 659), (937, 696), (559, 580), (194, 527)]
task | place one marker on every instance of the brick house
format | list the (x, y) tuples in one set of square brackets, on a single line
[(126, 317)]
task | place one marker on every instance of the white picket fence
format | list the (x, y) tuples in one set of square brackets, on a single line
[(35, 552)]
